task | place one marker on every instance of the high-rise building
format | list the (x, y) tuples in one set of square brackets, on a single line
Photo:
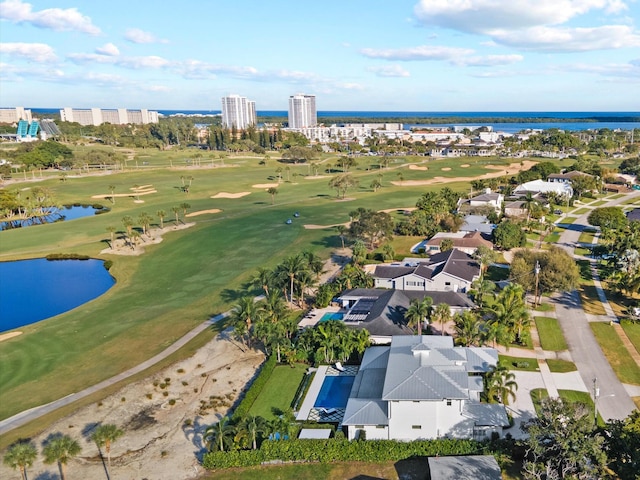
[(14, 114), (98, 116), (238, 111), (302, 111)]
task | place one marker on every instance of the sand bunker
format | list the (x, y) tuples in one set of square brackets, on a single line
[(504, 170), (465, 165), (445, 169), (316, 177), (417, 167), (230, 195), (7, 336), (320, 227), (203, 212), (406, 209), (122, 246), (133, 194), (265, 185)]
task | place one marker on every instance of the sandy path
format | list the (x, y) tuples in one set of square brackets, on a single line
[(203, 212), (160, 440), (230, 195), (7, 336), (265, 185), (504, 170)]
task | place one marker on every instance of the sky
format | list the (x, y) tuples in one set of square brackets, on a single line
[(365, 55)]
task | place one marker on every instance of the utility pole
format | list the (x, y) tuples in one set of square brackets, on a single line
[(537, 272), (596, 394)]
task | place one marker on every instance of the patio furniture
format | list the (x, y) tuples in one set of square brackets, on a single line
[(339, 367)]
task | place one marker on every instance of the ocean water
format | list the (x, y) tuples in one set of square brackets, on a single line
[(592, 120)]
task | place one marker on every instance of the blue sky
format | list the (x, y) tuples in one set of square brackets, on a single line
[(402, 55)]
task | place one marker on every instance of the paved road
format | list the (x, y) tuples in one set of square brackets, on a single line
[(614, 401)]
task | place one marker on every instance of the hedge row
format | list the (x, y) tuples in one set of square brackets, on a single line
[(256, 388), (334, 450), (67, 256)]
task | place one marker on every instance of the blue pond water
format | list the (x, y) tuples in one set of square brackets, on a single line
[(32, 290), (334, 392), (66, 213)]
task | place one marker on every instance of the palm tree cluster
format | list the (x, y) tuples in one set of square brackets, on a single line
[(506, 321), (351, 276), (60, 449), (249, 432)]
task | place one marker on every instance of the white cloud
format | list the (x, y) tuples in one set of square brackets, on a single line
[(136, 35), (57, 19), (108, 49), (489, 60), (610, 70), (82, 58), (37, 52), (151, 61), (389, 71), (423, 52), (478, 16), (570, 39)]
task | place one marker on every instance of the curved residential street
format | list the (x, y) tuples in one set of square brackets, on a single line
[(614, 401)]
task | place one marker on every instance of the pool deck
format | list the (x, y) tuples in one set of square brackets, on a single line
[(315, 315), (308, 411)]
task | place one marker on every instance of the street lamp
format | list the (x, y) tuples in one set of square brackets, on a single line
[(596, 396)]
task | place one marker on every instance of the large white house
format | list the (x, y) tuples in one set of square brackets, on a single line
[(422, 387), (540, 186), (452, 271)]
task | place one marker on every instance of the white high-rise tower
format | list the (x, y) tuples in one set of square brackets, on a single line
[(302, 111), (238, 111)]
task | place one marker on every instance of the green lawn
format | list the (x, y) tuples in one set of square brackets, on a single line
[(545, 307), (551, 337), (279, 391), (633, 332), (586, 237), (561, 366), (625, 367), (523, 364), (580, 211)]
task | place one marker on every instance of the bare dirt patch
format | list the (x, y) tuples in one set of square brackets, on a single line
[(265, 185), (7, 336), (163, 421), (230, 195), (123, 246), (417, 167), (203, 212)]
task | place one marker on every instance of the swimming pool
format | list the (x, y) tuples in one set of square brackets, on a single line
[(334, 392), (331, 316)]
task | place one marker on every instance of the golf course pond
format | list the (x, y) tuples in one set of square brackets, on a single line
[(66, 213), (33, 290)]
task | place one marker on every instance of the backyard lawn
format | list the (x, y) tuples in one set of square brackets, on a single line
[(279, 391), (551, 337)]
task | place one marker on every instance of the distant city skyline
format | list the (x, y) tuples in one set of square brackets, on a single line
[(407, 55)]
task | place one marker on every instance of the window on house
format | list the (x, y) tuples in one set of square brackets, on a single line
[(448, 402), (416, 427), (380, 426), (447, 283), (359, 426)]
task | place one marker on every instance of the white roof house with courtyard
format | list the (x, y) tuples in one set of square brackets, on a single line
[(540, 186), (422, 387)]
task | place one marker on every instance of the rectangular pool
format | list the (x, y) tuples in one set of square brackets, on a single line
[(334, 392), (331, 316)]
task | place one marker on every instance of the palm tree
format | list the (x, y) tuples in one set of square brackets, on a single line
[(496, 332), (273, 192), (441, 314), (467, 327), (361, 340), (418, 312), (104, 436), (161, 214), (176, 211), (342, 231), (60, 450), (219, 435), (500, 385), (528, 202), (291, 267), (127, 221), (144, 219), (511, 311), (480, 288), (251, 429), (185, 206), (485, 256), (112, 230), (263, 279), (112, 189), (20, 456), (243, 315)]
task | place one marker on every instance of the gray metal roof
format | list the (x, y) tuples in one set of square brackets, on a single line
[(428, 383), (366, 412), (486, 414)]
